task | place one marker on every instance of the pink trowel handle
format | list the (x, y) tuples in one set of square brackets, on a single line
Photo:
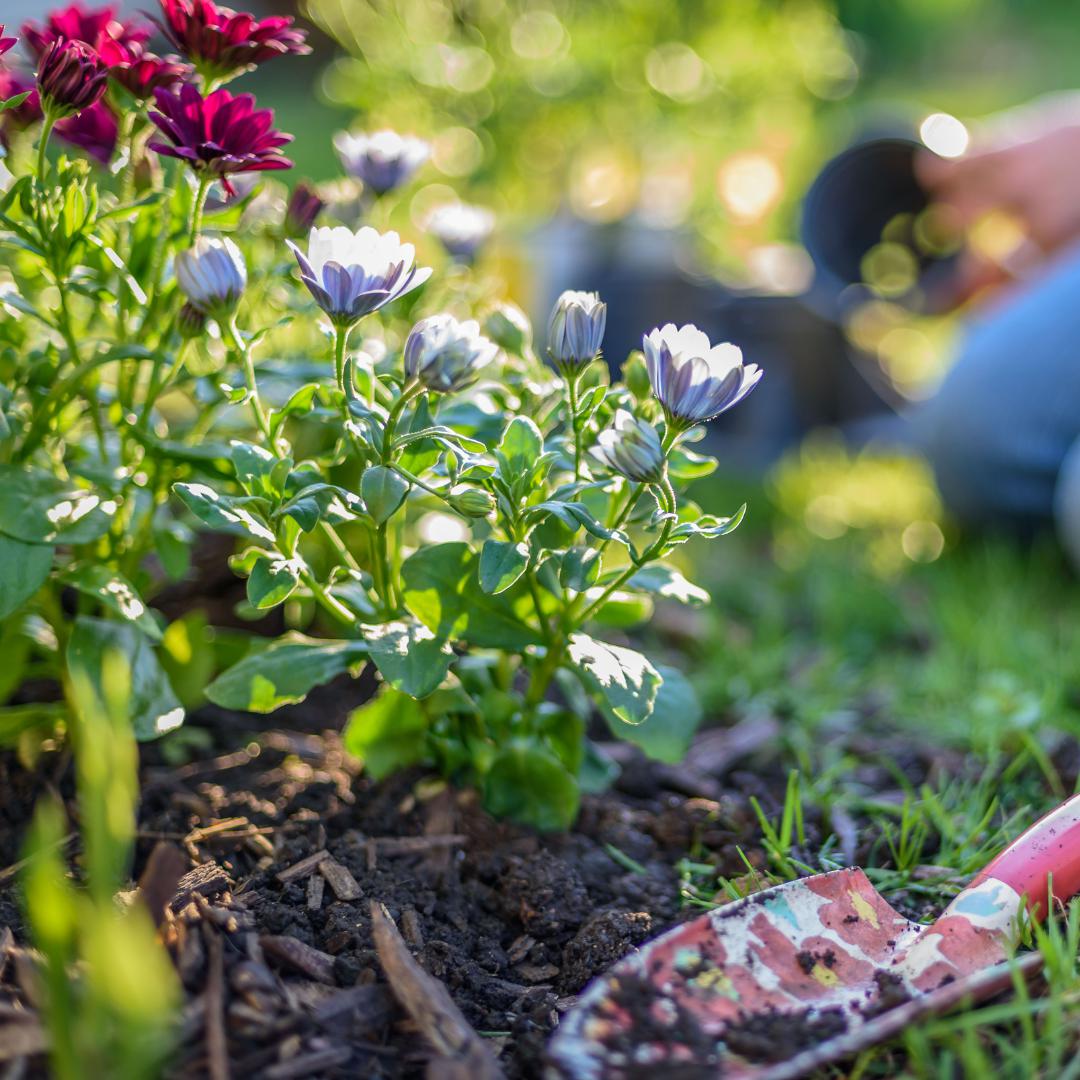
[(1049, 850)]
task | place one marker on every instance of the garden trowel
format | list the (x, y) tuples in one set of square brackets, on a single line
[(788, 979)]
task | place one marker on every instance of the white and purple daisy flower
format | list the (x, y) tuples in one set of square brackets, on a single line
[(351, 274), (693, 379), (383, 160)]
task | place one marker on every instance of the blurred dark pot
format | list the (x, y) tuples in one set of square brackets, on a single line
[(854, 197)]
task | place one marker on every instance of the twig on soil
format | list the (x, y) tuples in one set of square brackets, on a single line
[(465, 1055), (408, 845), (315, 964), (160, 879), (303, 868), (339, 879)]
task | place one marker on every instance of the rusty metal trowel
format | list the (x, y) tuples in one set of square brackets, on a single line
[(810, 971)]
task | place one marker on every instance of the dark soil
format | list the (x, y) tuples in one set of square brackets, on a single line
[(776, 1036), (514, 923)]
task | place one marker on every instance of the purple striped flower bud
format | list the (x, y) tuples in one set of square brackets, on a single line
[(693, 379), (631, 447), (302, 210), (70, 78), (576, 330), (446, 355), (212, 275)]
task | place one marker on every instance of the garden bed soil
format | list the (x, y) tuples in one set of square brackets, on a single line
[(285, 845)]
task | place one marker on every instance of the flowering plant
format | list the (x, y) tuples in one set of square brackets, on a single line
[(410, 483)]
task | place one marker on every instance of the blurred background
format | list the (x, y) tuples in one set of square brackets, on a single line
[(662, 154)]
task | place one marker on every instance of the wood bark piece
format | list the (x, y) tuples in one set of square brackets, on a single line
[(340, 880), (303, 868), (205, 880), (217, 1047), (316, 886), (463, 1054), (291, 951)]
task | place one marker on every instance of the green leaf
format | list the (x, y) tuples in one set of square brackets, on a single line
[(684, 464), (284, 673), (519, 449), (383, 491), (14, 102), (598, 772), (442, 589), (154, 707), (666, 734), (38, 508), (258, 471), (115, 592), (501, 564), (664, 580), (387, 733), (23, 570), (575, 515), (707, 526), (15, 720), (272, 580), (529, 785), (623, 610), (579, 568), (222, 511), (625, 680), (409, 656)]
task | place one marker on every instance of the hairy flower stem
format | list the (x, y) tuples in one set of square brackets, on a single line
[(410, 391), (244, 352), (339, 546), (43, 145), (198, 207), (571, 380), (667, 498)]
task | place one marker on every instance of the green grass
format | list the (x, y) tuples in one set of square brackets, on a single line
[(935, 707)]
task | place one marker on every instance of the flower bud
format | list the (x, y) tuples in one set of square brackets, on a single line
[(631, 448), (508, 326), (302, 210), (472, 502), (576, 330), (190, 322), (70, 78), (212, 275), (445, 355)]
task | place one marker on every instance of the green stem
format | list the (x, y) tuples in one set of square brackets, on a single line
[(43, 144), (68, 333), (570, 381), (341, 344), (409, 391), (340, 549), (382, 561), (200, 204), (668, 499), (329, 602), (241, 348)]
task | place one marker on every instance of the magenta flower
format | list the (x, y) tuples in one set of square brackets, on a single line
[(70, 77), (220, 134), (91, 26), (95, 130), (222, 43), (6, 43), (140, 73)]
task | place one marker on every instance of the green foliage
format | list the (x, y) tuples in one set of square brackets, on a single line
[(111, 996)]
